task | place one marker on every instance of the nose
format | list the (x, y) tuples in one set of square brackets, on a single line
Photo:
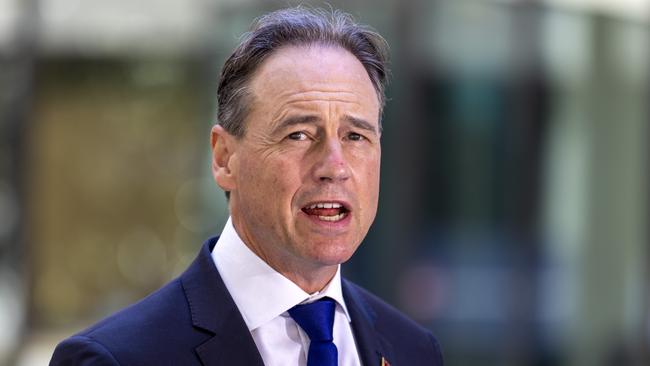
[(331, 164)]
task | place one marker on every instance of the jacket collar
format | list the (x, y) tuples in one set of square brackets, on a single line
[(232, 344), (371, 345)]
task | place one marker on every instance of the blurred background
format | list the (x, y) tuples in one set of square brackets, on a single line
[(514, 206)]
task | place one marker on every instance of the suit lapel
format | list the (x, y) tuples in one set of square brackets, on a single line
[(214, 311), (371, 345)]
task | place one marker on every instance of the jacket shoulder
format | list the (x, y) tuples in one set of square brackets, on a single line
[(82, 351), (152, 329)]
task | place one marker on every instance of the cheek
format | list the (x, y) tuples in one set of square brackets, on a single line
[(368, 164), (370, 185), (273, 179), (372, 195), (251, 181)]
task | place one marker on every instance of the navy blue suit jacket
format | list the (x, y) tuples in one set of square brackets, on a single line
[(193, 320)]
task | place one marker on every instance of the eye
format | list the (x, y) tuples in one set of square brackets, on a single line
[(297, 136), (353, 136)]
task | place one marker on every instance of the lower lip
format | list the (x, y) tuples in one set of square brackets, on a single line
[(340, 224)]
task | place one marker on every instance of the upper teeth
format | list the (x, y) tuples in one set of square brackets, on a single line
[(326, 205)]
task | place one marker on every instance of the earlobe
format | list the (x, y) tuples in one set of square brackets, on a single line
[(223, 158)]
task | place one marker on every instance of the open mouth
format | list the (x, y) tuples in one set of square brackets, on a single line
[(327, 211)]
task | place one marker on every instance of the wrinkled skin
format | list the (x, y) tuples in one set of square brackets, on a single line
[(312, 136)]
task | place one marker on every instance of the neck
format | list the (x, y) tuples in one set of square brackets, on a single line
[(311, 283), (310, 276)]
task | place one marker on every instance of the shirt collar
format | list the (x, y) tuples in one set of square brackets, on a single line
[(260, 293)]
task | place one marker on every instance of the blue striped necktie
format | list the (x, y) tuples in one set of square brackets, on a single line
[(317, 320)]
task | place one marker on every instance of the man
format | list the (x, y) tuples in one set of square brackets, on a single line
[(297, 150)]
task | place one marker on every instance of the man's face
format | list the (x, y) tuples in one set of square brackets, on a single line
[(304, 179)]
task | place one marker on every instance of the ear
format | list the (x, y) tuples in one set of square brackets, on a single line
[(223, 158)]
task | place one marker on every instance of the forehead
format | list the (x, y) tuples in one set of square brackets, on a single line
[(313, 73)]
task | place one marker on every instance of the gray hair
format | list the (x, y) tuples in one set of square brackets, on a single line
[(291, 27)]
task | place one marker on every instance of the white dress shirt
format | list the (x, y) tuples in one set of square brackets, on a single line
[(264, 297)]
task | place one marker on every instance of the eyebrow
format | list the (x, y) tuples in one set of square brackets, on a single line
[(296, 120), (312, 119), (361, 123)]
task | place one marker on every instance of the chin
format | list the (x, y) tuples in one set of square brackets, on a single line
[(333, 256)]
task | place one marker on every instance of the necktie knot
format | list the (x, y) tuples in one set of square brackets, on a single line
[(317, 320)]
